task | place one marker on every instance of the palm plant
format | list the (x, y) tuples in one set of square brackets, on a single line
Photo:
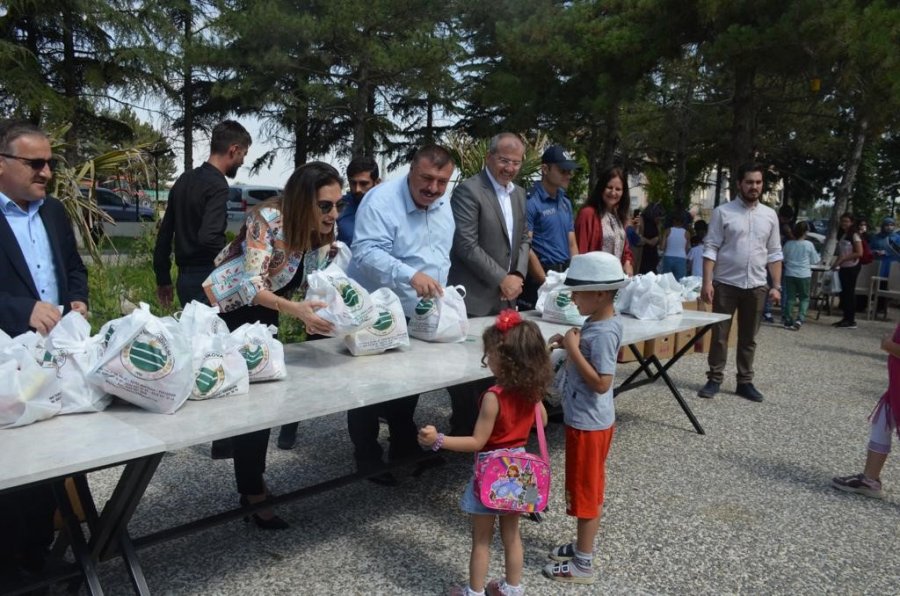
[(70, 179), (469, 155)]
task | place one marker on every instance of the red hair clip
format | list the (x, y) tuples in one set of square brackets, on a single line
[(507, 319)]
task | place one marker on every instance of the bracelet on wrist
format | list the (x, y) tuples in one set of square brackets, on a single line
[(438, 443)]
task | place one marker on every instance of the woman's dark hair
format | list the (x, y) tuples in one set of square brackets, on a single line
[(299, 212), (523, 363), (853, 229), (595, 200)]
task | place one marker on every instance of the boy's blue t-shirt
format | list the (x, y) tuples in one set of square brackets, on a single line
[(583, 409)]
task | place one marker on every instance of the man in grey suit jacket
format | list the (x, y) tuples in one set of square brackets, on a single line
[(490, 250)]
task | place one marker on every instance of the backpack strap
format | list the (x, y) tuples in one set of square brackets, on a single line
[(542, 441)]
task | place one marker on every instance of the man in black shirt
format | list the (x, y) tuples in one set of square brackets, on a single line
[(196, 215)]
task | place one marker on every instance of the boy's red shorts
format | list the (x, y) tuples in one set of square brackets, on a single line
[(586, 452)]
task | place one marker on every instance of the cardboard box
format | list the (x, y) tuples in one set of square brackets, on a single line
[(661, 347), (625, 354), (683, 338)]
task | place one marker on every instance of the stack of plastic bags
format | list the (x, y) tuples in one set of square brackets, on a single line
[(651, 297)]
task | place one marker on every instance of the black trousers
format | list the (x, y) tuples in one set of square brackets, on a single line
[(848, 277), (363, 427), (464, 403), (250, 449), (26, 530), (189, 284)]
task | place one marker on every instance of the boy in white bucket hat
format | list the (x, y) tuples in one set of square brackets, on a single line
[(588, 412)]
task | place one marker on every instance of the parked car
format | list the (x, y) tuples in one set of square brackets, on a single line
[(818, 240), (119, 208), (241, 197)]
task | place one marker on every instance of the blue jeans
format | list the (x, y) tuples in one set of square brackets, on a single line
[(677, 266)]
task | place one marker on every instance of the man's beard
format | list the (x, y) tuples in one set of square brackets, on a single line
[(231, 172)]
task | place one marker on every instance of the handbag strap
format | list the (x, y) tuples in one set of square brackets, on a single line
[(542, 441)]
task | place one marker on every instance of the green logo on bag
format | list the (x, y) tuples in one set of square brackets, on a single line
[(256, 355), (384, 324), (209, 378), (148, 357), (55, 359), (349, 295), (424, 307), (563, 299)]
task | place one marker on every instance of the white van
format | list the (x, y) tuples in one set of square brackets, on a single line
[(242, 197)]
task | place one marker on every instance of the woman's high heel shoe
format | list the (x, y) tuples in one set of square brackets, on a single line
[(272, 523)]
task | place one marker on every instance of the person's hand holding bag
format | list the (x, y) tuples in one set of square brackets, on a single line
[(305, 311)]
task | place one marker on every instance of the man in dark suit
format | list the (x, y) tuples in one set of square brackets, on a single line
[(41, 276), (490, 250)]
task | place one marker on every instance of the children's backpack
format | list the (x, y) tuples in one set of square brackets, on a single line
[(515, 481), (866, 257)]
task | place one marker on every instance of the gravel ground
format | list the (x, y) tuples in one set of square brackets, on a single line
[(745, 509)]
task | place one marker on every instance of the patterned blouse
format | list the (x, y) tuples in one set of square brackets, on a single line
[(256, 260), (613, 235)]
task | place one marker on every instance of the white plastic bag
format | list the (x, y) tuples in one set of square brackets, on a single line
[(555, 301), (558, 359), (649, 302), (833, 282), (349, 306), (442, 319), (147, 362), (263, 354), (197, 318), (690, 288), (29, 392), (554, 280), (653, 297), (219, 367), (71, 354), (388, 332)]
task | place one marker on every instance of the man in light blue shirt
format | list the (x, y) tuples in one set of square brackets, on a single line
[(404, 232), (41, 275)]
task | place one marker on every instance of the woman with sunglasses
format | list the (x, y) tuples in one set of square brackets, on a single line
[(283, 240)]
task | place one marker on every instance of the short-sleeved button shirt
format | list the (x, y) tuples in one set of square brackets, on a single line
[(550, 220)]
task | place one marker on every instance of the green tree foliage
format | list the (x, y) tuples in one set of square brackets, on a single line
[(59, 60)]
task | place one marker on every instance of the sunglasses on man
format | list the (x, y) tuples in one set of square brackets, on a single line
[(36, 164)]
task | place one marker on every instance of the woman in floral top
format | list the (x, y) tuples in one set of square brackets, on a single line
[(283, 240), (600, 224)]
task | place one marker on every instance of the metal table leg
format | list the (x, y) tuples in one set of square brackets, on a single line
[(662, 372), (76, 538)]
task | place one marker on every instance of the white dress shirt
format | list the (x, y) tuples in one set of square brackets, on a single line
[(503, 195), (742, 240)]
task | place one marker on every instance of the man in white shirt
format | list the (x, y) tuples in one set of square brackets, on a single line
[(742, 241)]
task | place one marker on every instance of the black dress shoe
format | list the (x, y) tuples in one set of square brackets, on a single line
[(287, 436), (709, 390), (272, 523), (748, 391), (222, 449)]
